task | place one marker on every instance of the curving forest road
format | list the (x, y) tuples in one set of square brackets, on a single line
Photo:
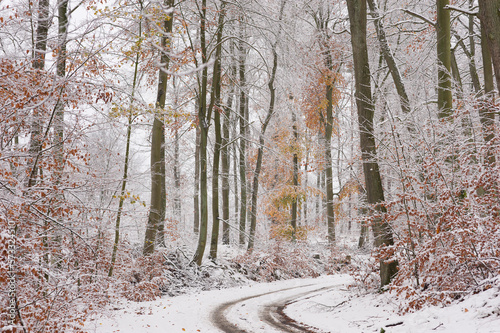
[(264, 312)]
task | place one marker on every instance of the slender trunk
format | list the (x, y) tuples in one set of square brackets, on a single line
[(126, 161), (318, 188), (177, 178), (472, 52), (375, 195), (215, 102), (443, 28), (330, 212), (389, 57), (225, 169), (61, 73), (260, 152), (235, 170), (122, 196), (306, 181), (40, 50), (196, 196), (455, 72), (204, 124), (243, 139), (486, 114), (156, 217), (295, 177), (490, 22)]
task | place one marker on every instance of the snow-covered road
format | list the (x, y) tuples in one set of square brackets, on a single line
[(326, 304), (264, 312), (243, 309)]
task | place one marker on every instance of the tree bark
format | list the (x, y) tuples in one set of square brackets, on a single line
[(39, 52), (196, 196), (373, 183), (204, 124), (260, 152), (295, 176), (158, 196), (486, 115), (215, 102), (443, 29), (490, 22), (330, 211), (243, 139), (389, 57), (61, 74), (177, 178), (225, 169)]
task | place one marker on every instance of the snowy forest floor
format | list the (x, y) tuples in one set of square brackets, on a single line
[(340, 309), (328, 303)]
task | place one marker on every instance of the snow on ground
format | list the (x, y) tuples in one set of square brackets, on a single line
[(334, 310), (188, 313), (343, 311)]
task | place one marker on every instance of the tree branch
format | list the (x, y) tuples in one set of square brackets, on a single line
[(461, 10), (423, 18)]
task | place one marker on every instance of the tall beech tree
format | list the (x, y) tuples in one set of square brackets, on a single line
[(215, 103), (156, 217), (443, 29), (204, 118), (243, 131), (39, 54), (374, 192), (490, 21)]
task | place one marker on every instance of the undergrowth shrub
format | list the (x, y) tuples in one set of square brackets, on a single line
[(445, 214), (282, 261), (144, 278)]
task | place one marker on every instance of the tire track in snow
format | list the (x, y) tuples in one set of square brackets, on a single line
[(271, 312)]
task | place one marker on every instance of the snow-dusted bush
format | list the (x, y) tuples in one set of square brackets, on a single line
[(445, 213), (283, 260)]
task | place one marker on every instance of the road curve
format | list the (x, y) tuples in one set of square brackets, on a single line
[(270, 312)]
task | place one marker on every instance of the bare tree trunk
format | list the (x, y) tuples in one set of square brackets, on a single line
[(306, 182), (235, 168), (127, 159), (196, 196), (375, 195), (260, 152), (215, 102), (243, 139), (389, 57), (204, 123), (490, 22), (225, 169), (486, 114), (61, 73), (330, 211), (295, 180), (35, 146), (472, 52), (156, 217), (177, 178), (443, 28)]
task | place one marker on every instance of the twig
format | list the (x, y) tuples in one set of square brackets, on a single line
[(435, 328), (461, 10), (395, 324), (423, 18)]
